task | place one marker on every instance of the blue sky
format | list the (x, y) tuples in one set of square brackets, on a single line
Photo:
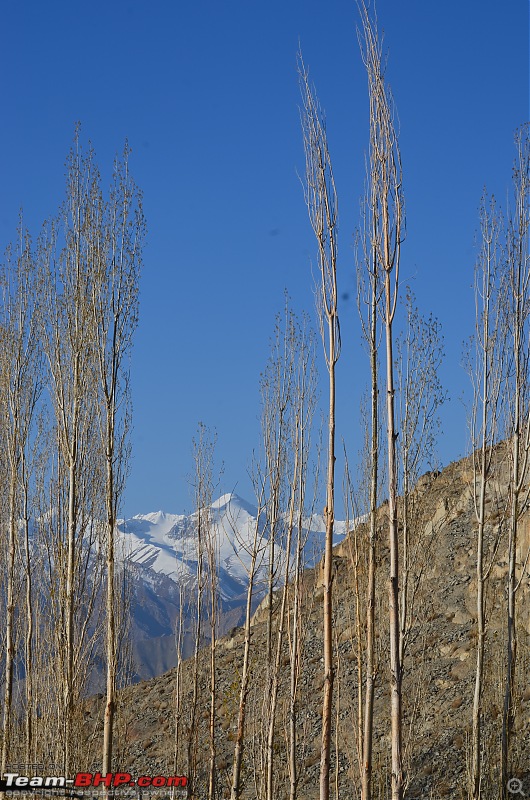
[(207, 95)]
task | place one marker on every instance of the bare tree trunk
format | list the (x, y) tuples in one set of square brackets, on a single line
[(192, 726), (393, 600), (69, 604), (280, 634), (212, 772), (21, 380), (487, 376), (518, 269), (28, 655), (277, 401), (256, 553), (288, 397), (9, 636), (305, 400), (387, 209), (108, 723), (204, 447), (295, 665), (366, 778), (178, 681), (69, 343), (321, 200), (235, 792), (115, 254), (369, 264)]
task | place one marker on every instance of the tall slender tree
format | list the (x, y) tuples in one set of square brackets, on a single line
[(388, 224), (115, 253), (419, 356), (368, 300), (254, 549), (293, 364), (486, 369), (20, 387), (321, 201), (517, 324), (66, 251)]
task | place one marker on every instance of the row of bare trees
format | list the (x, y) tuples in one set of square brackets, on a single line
[(68, 315), (271, 551), (500, 409), (381, 244), (498, 366), (69, 309)]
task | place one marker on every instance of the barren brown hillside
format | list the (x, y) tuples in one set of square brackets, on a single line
[(438, 670)]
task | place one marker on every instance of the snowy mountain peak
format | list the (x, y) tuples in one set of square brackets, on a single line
[(224, 500), (167, 543), (232, 504)]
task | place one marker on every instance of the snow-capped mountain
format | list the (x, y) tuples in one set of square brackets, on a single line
[(161, 552), (167, 543)]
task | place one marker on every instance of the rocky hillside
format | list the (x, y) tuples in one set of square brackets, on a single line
[(439, 665)]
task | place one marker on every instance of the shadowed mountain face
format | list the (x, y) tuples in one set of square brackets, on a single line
[(160, 551), (439, 662)]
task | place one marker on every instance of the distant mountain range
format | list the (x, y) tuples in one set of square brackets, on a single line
[(161, 553)]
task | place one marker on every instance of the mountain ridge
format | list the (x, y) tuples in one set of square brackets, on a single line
[(159, 549)]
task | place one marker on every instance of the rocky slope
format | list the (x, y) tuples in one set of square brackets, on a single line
[(439, 665)]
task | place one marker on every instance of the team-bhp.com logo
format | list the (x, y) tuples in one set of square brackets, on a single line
[(116, 779), (90, 780)]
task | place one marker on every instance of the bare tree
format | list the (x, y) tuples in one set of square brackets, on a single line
[(178, 691), (517, 323), (208, 574), (419, 355), (294, 366), (202, 486), (387, 212), (115, 252), (487, 373), (21, 382), (301, 421), (276, 395), (67, 335), (368, 299), (321, 201), (254, 549)]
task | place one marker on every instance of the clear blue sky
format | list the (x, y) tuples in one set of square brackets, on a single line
[(207, 94)]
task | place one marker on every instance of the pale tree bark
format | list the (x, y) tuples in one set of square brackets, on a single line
[(207, 576), (321, 201), (32, 566), (517, 324), (305, 394), (294, 368), (179, 638), (21, 382), (486, 372), (276, 389), (115, 239), (202, 501), (387, 211), (358, 642), (68, 345), (206, 557), (212, 546), (276, 396), (368, 299), (255, 550)]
